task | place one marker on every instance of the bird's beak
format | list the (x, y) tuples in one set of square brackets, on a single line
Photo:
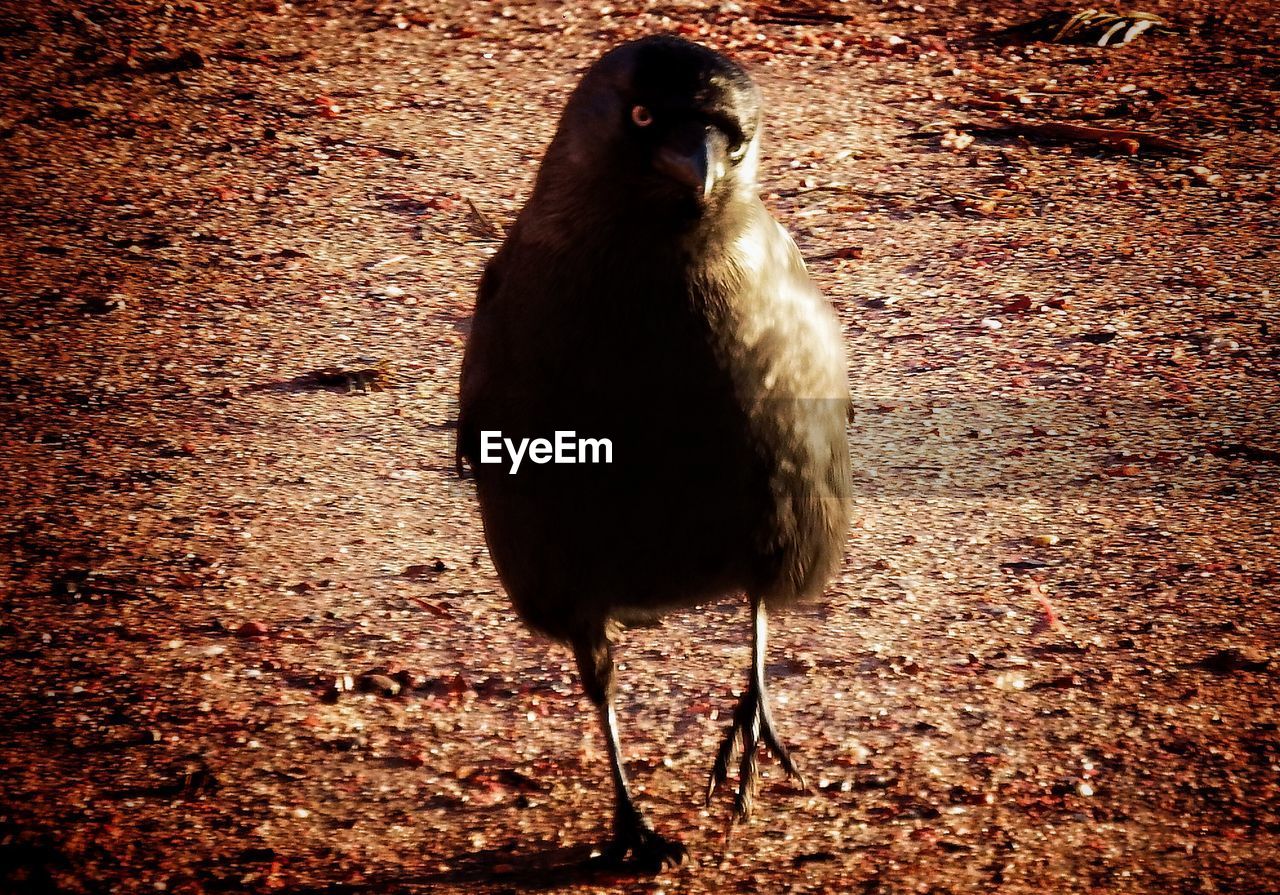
[(695, 159)]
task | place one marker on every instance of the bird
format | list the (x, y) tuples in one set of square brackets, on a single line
[(645, 297)]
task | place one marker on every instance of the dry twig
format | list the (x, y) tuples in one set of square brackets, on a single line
[(1129, 141)]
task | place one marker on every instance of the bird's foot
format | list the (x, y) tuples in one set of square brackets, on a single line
[(752, 724), (635, 845)]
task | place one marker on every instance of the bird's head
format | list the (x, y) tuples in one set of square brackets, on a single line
[(660, 125)]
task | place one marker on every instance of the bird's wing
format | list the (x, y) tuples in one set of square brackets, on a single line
[(793, 345), (474, 375), (791, 334)]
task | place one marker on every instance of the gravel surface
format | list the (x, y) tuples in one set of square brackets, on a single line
[(251, 637)]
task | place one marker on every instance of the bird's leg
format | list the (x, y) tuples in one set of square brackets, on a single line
[(632, 834), (752, 723)]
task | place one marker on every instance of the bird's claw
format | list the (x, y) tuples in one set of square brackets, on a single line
[(752, 724), (635, 845)]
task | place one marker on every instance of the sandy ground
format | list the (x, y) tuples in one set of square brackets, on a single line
[(239, 247)]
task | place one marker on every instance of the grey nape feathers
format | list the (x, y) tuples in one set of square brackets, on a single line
[(645, 296)]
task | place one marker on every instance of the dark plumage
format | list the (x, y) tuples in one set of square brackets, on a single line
[(645, 295)]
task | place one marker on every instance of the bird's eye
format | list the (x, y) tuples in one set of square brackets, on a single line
[(737, 152), (641, 116)]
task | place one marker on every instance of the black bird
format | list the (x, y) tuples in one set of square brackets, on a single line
[(645, 296)]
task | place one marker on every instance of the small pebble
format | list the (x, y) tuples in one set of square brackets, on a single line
[(1203, 175), (252, 629), (380, 684)]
